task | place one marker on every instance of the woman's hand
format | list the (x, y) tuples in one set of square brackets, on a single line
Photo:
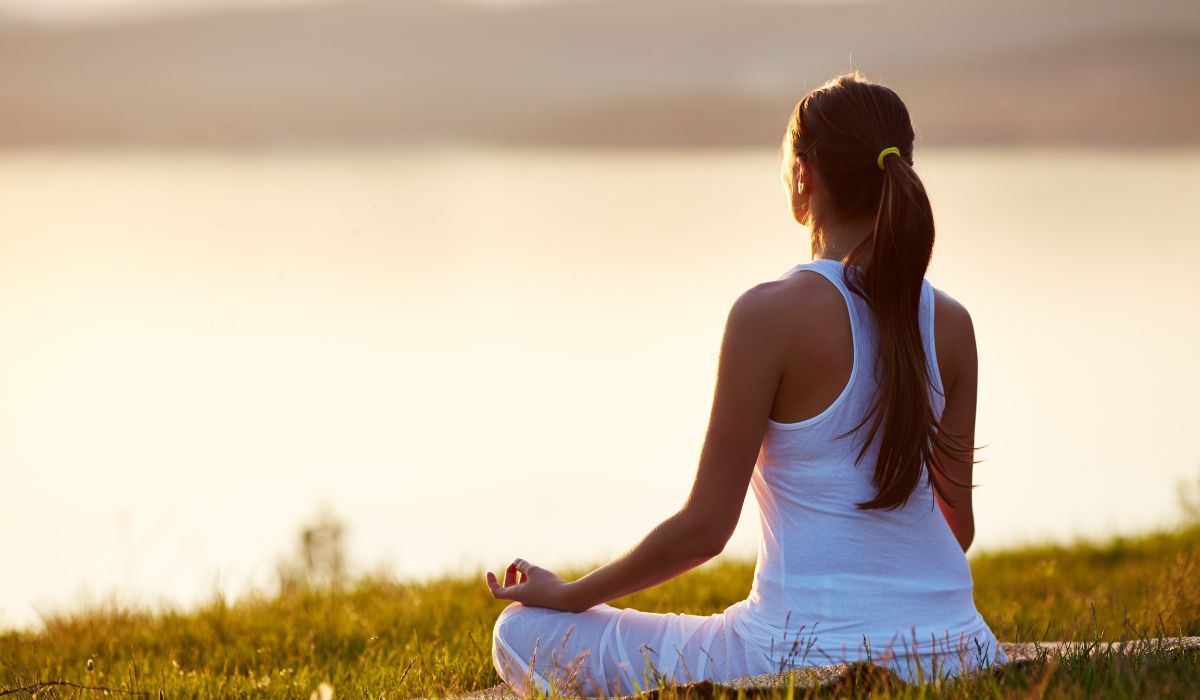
[(533, 586)]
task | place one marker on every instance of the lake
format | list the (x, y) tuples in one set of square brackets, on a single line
[(470, 354)]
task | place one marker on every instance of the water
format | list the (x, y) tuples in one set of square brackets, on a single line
[(474, 354)]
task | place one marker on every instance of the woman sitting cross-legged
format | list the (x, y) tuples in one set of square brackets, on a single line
[(845, 400)]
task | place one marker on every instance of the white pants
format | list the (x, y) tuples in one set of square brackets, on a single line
[(605, 651)]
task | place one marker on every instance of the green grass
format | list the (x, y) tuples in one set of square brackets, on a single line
[(381, 638)]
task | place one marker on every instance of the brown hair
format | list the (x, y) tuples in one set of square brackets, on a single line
[(840, 128)]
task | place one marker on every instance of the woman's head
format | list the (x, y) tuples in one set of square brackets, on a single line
[(839, 174), (830, 154)]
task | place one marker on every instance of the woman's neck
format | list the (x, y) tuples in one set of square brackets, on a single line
[(837, 239)]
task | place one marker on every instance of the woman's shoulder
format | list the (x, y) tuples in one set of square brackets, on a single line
[(951, 316), (954, 338), (800, 289), (803, 300)]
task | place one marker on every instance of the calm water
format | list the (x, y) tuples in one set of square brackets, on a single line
[(471, 355)]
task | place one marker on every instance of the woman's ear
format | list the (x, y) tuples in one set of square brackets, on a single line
[(803, 188), (805, 179)]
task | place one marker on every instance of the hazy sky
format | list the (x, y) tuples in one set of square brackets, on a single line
[(69, 8), (90, 9)]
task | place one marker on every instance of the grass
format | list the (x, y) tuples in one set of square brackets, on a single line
[(380, 638)]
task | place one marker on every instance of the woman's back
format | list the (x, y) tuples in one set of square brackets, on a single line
[(829, 574)]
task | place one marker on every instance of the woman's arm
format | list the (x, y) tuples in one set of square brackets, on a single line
[(958, 418), (749, 370)]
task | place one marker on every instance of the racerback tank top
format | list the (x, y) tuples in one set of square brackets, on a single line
[(833, 583)]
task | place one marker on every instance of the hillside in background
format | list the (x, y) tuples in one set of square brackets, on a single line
[(602, 72)]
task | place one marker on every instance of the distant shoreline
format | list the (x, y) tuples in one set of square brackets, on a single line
[(601, 73), (391, 147)]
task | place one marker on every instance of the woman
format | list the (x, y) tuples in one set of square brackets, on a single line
[(845, 398)]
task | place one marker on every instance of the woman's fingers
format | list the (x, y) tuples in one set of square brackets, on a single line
[(498, 592), (524, 568), (516, 574)]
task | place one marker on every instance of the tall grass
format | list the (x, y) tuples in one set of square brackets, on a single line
[(382, 638)]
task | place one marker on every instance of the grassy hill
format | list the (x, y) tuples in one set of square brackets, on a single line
[(381, 638)]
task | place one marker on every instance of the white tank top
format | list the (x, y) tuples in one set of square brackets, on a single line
[(834, 583)]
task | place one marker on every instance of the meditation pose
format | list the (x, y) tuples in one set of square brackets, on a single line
[(845, 399)]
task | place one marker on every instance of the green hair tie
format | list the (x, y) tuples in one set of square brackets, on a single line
[(884, 152)]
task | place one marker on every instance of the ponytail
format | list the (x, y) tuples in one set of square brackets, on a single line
[(855, 118), (893, 261)]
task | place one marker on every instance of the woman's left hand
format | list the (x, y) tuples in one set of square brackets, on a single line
[(533, 586)]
